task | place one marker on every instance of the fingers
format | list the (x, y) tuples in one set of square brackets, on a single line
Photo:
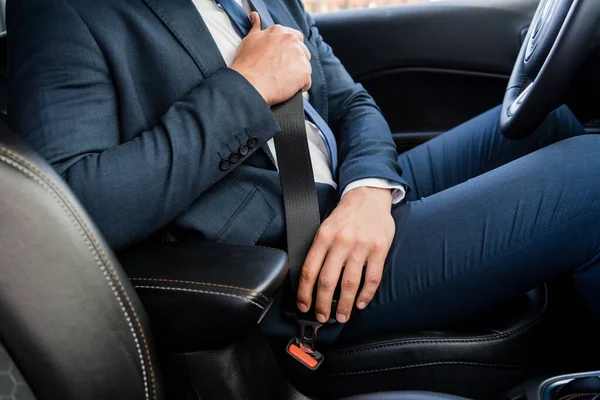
[(256, 24), (307, 87), (351, 282), (280, 29), (295, 36), (344, 250), (297, 33), (324, 265), (305, 50), (373, 274), (311, 269), (308, 82), (330, 276)]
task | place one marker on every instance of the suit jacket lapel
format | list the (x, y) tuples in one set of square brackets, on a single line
[(184, 21)]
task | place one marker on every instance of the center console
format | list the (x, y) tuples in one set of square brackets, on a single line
[(577, 386), (205, 301)]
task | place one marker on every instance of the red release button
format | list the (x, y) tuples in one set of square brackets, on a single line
[(302, 356)]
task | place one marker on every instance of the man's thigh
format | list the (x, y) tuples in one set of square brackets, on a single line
[(476, 147), (467, 248)]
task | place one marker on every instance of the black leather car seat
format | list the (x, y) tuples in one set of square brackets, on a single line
[(3, 76), (499, 349), (45, 234), (71, 325), (69, 318)]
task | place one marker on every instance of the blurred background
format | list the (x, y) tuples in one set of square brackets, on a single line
[(315, 6)]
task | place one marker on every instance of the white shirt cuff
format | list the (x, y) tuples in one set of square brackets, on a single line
[(398, 190)]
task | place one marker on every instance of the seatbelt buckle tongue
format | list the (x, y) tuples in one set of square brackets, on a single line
[(303, 348)]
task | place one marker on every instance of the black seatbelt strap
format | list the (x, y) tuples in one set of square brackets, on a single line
[(302, 217)]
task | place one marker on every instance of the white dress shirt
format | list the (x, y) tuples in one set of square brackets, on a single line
[(228, 40)]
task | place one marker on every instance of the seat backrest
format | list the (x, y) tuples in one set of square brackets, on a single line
[(3, 76), (69, 319), (2, 15)]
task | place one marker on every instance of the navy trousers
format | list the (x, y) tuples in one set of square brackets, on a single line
[(487, 219)]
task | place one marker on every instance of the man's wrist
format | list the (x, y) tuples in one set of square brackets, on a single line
[(367, 193), (398, 189), (251, 80)]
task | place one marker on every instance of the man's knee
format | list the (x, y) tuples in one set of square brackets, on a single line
[(558, 183), (571, 163), (586, 145), (579, 155)]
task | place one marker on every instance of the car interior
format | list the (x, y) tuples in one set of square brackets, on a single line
[(181, 320)]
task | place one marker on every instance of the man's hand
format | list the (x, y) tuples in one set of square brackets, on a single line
[(275, 61), (358, 234)]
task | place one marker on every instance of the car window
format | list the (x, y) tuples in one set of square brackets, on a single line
[(319, 6)]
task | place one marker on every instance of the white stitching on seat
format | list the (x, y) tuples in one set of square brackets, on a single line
[(95, 253), (406, 342), (178, 289), (431, 364), (186, 282)]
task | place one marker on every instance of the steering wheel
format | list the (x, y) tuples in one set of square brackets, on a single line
[(560, 37)]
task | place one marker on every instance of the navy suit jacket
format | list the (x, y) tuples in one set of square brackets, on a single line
[(133, 105)]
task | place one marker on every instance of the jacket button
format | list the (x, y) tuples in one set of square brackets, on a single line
[(234, 157), (244, 150), (252, 142), (225, 165)]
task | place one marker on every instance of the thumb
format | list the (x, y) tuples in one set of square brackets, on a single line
[(255, 19)]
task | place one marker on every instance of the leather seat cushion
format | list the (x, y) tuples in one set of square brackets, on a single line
[(404, 396), (482, 356)]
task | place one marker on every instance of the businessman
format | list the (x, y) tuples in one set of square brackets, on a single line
[(157, 114)]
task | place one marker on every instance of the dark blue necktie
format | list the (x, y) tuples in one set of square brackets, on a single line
[(240, 20)]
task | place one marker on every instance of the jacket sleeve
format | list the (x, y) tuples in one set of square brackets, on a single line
[(365, 144), (64, 103)]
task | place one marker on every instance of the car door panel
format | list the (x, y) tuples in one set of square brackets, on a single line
[(429, 101), (430, 66)]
